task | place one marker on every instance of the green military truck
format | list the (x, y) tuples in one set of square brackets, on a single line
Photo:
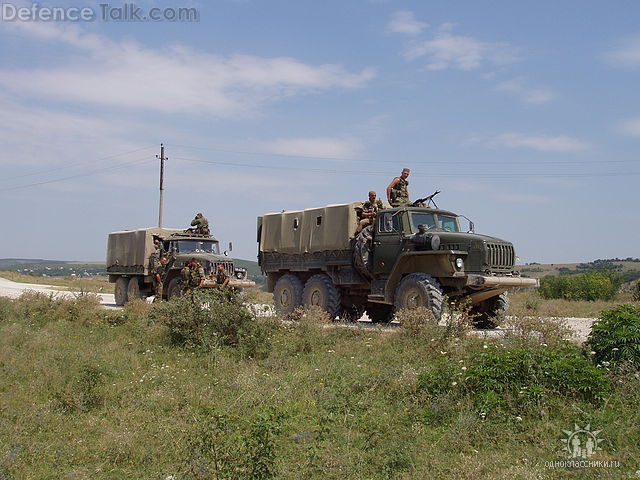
[(131, 255), (410, 257)]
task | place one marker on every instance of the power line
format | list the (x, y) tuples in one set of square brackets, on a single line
[(136, 162), (74, 164), (416, 174)]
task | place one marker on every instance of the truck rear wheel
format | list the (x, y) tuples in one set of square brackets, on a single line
[(320, 291), (133, 290), (287, 294), (120, 291), (174, 290), (487, 310), (420, 290)]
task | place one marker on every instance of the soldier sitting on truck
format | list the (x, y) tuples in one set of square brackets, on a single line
[(192, 276), (158, 278), (367, 213), (398, 190), (201, 225)]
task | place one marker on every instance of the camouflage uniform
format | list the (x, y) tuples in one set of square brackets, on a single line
[(400, 193), (201, 224), (221, 276), (368, 207), (157, 285), (191, 278)]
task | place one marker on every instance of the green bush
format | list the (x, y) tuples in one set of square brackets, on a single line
[(615, 337), (211, 319), (587, 286), (528, 375), (636, 291)]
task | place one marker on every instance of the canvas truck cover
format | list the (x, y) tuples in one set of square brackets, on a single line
[(132, 248), (311, 230)]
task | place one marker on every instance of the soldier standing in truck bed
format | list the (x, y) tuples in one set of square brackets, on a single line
[(367, 213), (398, 190), (201, 224)]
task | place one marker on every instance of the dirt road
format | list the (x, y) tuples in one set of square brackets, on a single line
[(581, 326)]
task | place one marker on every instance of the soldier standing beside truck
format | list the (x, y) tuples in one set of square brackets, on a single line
[(398, 190), (158, 278), (194, 276)]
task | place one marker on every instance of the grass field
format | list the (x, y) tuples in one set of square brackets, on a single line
[(88, 393)]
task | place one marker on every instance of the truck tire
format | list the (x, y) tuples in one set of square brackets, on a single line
[(486, 311), (361, 252), (287, 294), (120, 290), (420, 290), (320, 291), (379, 312), (133, 289), (174, 290)]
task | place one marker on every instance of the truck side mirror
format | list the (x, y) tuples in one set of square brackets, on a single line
[(472, 227), (230, 246)]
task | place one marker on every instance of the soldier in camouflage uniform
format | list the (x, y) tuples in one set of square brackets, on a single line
[(222, 277), (367, 213), (158, 278), (192, 276), (201, 225), (398, 190)]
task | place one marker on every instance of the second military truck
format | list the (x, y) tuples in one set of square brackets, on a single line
[(410, 257), (131, 255)]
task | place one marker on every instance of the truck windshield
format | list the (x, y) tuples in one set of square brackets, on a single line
[(441, 222), (188, 246)]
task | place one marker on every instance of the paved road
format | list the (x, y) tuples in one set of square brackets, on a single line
[(581, 326)]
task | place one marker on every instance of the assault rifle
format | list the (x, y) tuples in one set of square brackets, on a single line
[(421, 201)]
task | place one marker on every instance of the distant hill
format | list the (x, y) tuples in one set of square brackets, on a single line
[(629, 268), (11, 262)]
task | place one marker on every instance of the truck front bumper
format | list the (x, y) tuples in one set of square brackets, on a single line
[(487, 281), (233, 283)]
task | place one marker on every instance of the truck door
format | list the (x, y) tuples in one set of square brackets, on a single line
[(387, 242)]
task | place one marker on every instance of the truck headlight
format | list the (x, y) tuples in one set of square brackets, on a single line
[(459, 263), (240, 273)]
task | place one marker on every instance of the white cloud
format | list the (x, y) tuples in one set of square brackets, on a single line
[(406, 23), (174, 79), (331, 148), (526, 93), (630, 127), (544, 143), (447, 50), (625, 54)]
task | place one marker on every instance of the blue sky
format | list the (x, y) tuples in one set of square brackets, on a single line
[(526, 115)]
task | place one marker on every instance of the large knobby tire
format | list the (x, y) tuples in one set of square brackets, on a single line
[(487, 311), (287, 294), (174, 290), (361, 251), (420, 290), (133, 290), (379, 312), (319, 291), (120, 290)]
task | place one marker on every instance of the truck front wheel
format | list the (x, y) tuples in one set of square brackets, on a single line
[(174, 290), (120, 291), (319, 291), (287, 294), (420, 290), (487, 311)]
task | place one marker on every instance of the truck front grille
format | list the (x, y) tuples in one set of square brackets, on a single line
[(501, 255)]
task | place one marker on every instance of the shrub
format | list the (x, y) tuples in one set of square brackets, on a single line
[(527, 375), (636, 291), (587, 286), (39, 308), (615, 337), (210, 319)]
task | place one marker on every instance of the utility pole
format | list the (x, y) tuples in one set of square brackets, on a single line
[(162, 159)]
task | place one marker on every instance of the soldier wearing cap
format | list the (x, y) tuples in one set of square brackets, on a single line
[(367, 213), (158, 278), (398, 190)]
